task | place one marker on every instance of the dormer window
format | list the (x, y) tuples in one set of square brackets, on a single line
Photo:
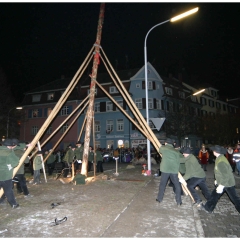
[(168, 90), (36, 97), (50, 96), (113, 90)]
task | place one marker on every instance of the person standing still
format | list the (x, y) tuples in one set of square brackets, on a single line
[(50, 162), (79, 156), (99, 160), (169, 168), (229, 156), (90, 158), (37, 166), (203, 155)]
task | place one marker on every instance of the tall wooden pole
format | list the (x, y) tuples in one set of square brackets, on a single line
[(90, 111)]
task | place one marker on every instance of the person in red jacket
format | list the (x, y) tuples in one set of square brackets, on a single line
[(203, 155), (229, 156)]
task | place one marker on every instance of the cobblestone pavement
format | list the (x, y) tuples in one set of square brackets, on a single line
[(225, 220)]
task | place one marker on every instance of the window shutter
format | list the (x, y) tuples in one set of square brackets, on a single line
[(154, 103), (167, 106), (162, 104), (114, 107), (70, 109), (102, 107), (143, 84), (154, 85), (45, 112), (30, 113), (144, 103), (39, 112), (124, 104)]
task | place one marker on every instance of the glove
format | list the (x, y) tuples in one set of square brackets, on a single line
[(220, 188), (215, 182), (182, 181)]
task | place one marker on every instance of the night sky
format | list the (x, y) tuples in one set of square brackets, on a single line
[(42, 41)]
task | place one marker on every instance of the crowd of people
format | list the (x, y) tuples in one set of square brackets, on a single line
[(172, 159), (193, 173)]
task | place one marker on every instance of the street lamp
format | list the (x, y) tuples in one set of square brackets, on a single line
[(19, 108), (194, 94), (145, 64)]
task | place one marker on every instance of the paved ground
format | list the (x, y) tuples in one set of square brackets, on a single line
[(129, 210), (225, 220), (186, 221)]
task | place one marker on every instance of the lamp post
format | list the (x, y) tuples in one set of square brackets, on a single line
[(19, 108), (145, 65), (194, 94)]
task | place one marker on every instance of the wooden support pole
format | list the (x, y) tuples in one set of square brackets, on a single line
[(52, 115), (80, 134), (43, 165), (69, 127), (89, 114), (94, 148)]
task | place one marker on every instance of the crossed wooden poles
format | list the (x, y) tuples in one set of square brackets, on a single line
[(139, 121)]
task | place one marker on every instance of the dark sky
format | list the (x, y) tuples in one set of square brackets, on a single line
[(42, 41)]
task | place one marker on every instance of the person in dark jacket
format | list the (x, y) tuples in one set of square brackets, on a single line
[(8, 161), (21, 184), (99, 160), (194, 176), (169, 168), (225, 181)]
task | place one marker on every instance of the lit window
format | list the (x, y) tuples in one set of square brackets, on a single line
[(34, 130), (150, 103), (109, 125), (120, 125), (64, 111), (50, 96), (120, 102), (97, 126), (113, 90), (97, 107), (150, 85), (138, 103), (35, 113), (109, 106)]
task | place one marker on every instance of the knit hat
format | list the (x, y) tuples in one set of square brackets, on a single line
[(169, 141), (186, 150)]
